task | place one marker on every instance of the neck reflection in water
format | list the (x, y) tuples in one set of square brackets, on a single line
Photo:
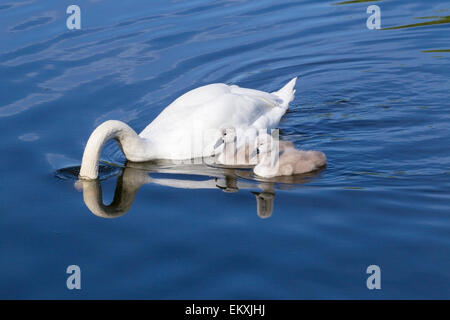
[(135, 175)]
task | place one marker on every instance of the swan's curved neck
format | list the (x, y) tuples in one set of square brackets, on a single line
[(128, 140)]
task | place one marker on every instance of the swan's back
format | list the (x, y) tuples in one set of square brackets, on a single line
[(183, 123)]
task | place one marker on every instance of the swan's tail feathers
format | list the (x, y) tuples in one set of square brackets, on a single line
[(287, 92)]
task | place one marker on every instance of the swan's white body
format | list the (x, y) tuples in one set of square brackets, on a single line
[(189, 126)]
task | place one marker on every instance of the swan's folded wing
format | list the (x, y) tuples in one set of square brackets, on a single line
[(186, 122), (269, 99), (175, 117), (234, 110), (199, 96), (213, 105)]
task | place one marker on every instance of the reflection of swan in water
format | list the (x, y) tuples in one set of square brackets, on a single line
[(137, 174), (264, 200), (128, 184)]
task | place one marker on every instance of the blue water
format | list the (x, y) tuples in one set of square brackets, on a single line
[(375, 101)]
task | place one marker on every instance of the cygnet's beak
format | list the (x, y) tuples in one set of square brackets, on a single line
[(254, 153), (219, 142)]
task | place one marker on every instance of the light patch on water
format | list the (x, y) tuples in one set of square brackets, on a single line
[(28, 137), (26, 103)]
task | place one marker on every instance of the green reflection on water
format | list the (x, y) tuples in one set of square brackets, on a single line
[(437, 50), (437, 20)]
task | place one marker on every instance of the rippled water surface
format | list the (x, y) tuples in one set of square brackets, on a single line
[(375, 101)]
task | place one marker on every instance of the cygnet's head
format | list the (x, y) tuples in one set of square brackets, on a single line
[(224, 135), (265, 143), (228, 134)]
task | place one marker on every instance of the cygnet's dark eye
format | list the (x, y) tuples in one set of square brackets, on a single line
[(224, 133)]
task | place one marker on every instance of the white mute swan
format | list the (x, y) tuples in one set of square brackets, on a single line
[(288, 162), (183, 129)]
